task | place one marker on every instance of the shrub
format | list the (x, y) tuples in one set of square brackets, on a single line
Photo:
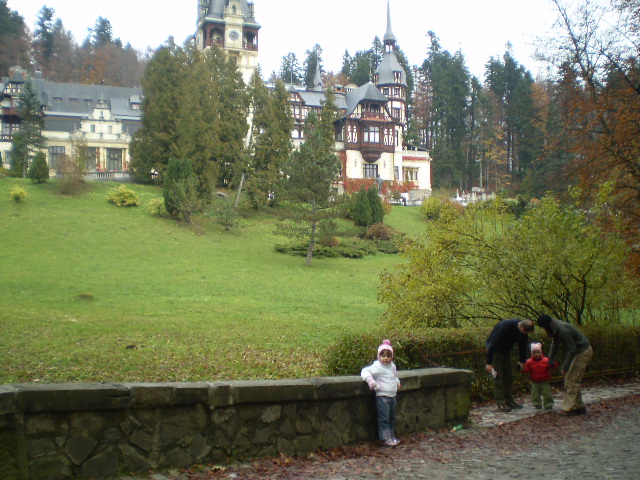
[(465, 348), (39, 170), (329, 241), (435, 207), (349, 248), (17, 193), (379, 231), (387, 246), (156, 207), (123, 196)]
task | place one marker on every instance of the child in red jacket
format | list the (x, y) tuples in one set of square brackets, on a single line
[(539, 370)]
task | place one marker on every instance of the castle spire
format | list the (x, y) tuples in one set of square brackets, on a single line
[(389, 38)]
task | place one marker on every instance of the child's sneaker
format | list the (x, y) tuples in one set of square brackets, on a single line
[(389, 443), (396, 441)]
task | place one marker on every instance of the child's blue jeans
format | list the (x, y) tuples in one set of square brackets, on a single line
[(386, 407)]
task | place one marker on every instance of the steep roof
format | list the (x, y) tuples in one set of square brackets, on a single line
[(368, 91), (66, 104), (386, 69), (216, 11)]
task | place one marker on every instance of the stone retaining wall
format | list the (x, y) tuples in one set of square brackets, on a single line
[(59, 431)]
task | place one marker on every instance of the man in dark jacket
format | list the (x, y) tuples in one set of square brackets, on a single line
[(499, 345), (578, 355)]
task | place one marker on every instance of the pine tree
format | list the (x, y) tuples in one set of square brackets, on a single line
[(290, 70), (157, 139), (377, 213), (29, 140), (270, 140), (314, 58), (361, 208), (14, 39), (310, 173)]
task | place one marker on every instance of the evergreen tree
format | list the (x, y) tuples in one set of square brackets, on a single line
[(101, 34), (28, 140), (361, 208), (157, 139), (377, 52), (314, 58), (39, 170), (361, 71), (180, 190), (270, 144), (377, 213), (213, 119), (449, 81), (44, 38), (290, 70), (347, 64), (512, 86), (310, 173), (14, 40)]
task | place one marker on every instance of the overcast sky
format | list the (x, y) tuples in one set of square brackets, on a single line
[(479, 29)]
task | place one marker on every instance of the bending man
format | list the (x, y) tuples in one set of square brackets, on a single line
[(499, 345)]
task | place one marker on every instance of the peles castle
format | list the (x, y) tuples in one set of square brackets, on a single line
[(369, 132)]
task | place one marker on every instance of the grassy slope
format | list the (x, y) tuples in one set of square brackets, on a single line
[(93, 292)]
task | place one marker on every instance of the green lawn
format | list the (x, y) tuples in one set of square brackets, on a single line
[(93, 292)]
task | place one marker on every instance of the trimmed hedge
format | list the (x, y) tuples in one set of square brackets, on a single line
[(615, 352)]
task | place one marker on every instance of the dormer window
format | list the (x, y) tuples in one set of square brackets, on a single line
[(397, 77)]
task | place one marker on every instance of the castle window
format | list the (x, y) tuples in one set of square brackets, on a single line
[(370, 170), (114, 158), (56, 154), (371, 134), (410, 174), (91, 157)]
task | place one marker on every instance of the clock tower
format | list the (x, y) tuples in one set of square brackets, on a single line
[(231, 25)]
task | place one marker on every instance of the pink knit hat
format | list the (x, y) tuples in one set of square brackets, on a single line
[(536, 347), (385, 345)]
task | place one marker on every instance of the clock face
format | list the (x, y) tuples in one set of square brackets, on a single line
[(234, 35)]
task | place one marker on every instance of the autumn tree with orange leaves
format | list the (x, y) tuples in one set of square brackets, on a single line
[(597, 53)]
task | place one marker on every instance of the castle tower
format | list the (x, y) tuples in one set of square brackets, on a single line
[(390, 77), (231, 25)]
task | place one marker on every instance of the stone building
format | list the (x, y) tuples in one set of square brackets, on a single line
[(102, 118)]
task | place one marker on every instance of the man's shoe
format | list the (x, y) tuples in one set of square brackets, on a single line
[(580, 411), (538, 406), (515, 405), (504, 408), (566, 413)]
